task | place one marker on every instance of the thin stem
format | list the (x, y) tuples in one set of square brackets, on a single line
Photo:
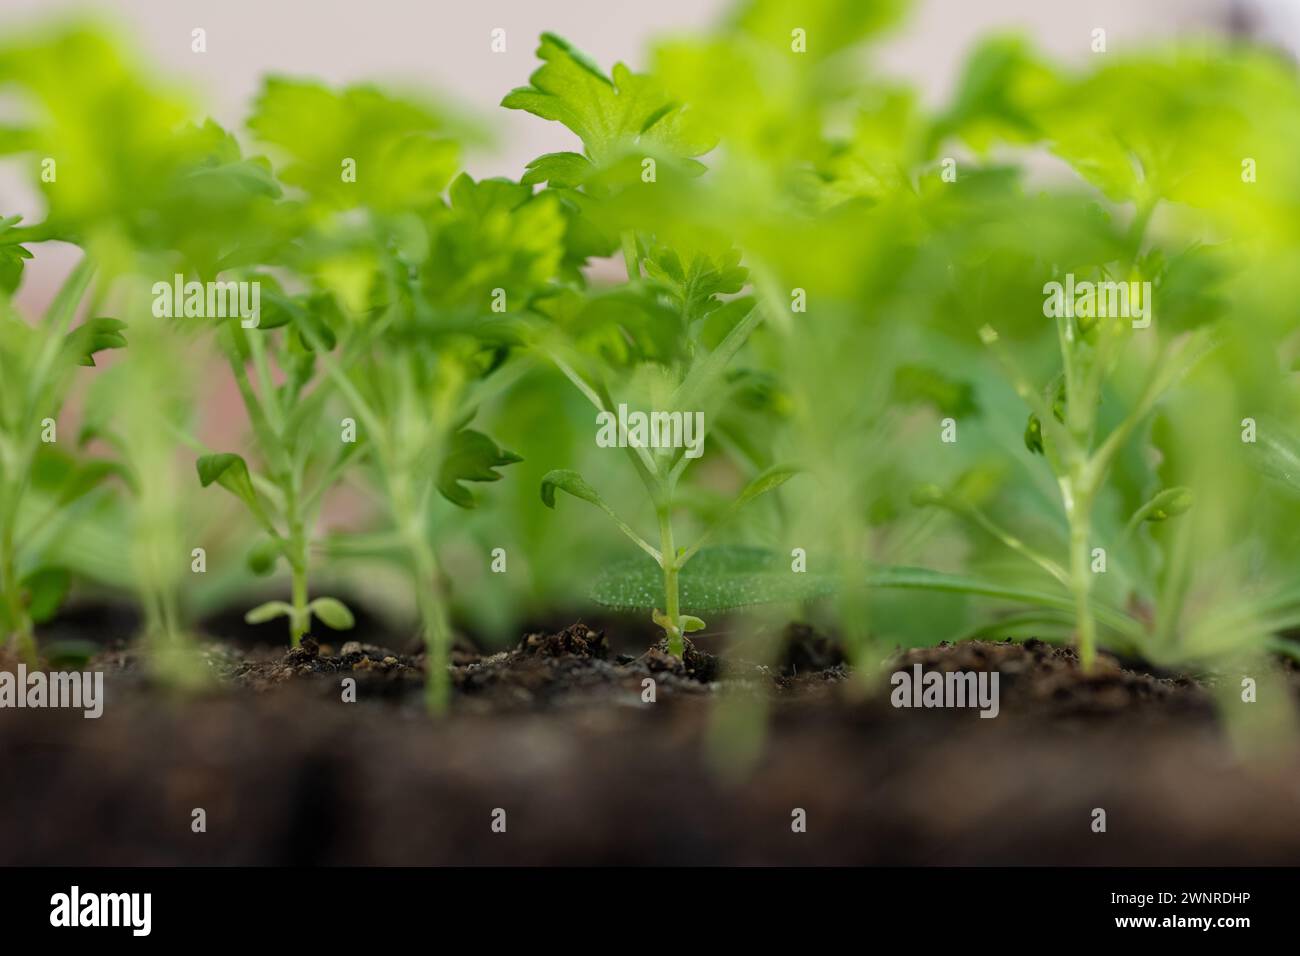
[(670, 567), (1011, 541), (641, 458), (20, 621), (300, 619), (433, 616), (1077, 495), (269, 396), (630, 257)]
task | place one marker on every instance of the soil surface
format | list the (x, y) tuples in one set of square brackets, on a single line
[(559, 734)]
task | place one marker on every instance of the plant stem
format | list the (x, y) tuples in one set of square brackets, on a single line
[(669, 564), (19, 621), (433, 616), (300, 620), (1077, 493)]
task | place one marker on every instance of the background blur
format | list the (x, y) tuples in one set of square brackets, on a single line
[(443, 45)]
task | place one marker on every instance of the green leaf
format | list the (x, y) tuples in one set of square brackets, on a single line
[(472, 457), (403, 155), (231, 472), (1034, 435), (1276, 455), (495, 234), (624, 325), (11, 266), (715, 579), (773, 477), (268, 612), (93, 336), (691, 624), (333, 613), (574, 484), (1165, 505), (560, 170), (610, 114), (46, 588), (924, 579), (697, 282)]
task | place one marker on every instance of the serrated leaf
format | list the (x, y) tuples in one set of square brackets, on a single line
[(559, 170), (333, 613), (472, 456), (12, 258), (715, 579), (625, 325), (696, 283), (93, 336), (609, 114), (403, 157)]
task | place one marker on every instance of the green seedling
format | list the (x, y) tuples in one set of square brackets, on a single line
[(40, 486), (407, 279), (305, 453), (676, 324)]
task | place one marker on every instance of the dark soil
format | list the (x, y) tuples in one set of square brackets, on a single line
[(558, 734)]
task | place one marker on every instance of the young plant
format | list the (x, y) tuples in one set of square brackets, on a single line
[(39, 485), (671, 332), (1148, 135), (305, 453), (415, 283)]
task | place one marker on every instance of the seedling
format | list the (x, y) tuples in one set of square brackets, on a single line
[(677, 313), (306, 456), (38, 483), (401, 307)]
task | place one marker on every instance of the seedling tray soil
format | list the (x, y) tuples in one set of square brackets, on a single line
[(555, 733)]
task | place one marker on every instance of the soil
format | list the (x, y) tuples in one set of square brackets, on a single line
[(556, 732)]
